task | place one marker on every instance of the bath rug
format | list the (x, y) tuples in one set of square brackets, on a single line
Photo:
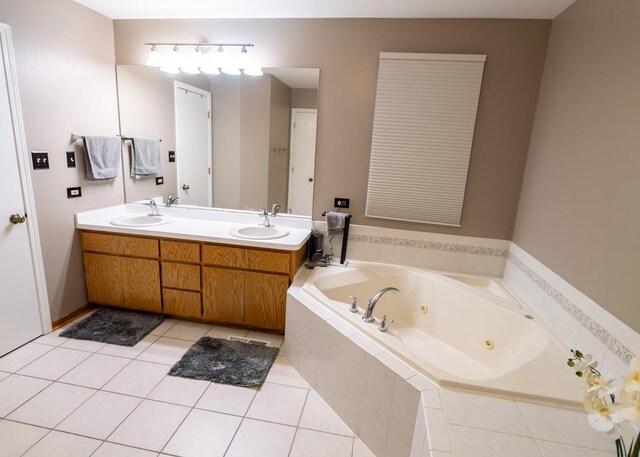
[(114, 326), (226, 362)]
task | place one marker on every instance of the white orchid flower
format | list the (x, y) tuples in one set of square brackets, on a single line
[(604, 419), (601, 386), (586, 363), (632, 383)]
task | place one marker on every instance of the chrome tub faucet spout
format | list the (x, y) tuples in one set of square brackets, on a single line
[(368, 314)]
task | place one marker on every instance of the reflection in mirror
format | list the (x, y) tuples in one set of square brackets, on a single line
[(254, 145)]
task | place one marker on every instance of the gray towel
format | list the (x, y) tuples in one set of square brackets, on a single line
[(145, 157), (103, 157), (335, 222)]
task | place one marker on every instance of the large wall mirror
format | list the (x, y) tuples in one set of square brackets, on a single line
[(240, 142)]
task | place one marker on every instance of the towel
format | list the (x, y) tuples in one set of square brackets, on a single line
[(335, 222), (103, 157), (145, 157)]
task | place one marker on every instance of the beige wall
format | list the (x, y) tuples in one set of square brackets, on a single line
[(346, 51), (304, 98), (65, 64), (279, 125), (578, 211)]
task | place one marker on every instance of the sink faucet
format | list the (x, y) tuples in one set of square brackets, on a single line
[(275, 208), (151, 203), (264, 214), (368, 314), (171, 199)]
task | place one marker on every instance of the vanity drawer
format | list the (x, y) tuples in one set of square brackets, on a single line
[(276, 262), (181, 303), (180, 275), (120, 245), (223, 256), (178, 250)]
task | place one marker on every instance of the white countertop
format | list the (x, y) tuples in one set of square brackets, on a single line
[(199, 224)]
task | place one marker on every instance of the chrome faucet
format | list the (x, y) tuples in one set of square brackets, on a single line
[(151, 203), (275, 208), (368, 314), (264, 214), (171, 199), (384, 323)]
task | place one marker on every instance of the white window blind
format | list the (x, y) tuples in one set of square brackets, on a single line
[(425, 116)]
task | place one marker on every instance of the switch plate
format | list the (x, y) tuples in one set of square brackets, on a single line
[(172, 156), (159, 180), (74, 192), (40, 160), (71, 159), (341, 202)]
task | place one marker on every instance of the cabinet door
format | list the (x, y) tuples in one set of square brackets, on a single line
[(141, 283), (104, 281), (265, 300), (223, 294)]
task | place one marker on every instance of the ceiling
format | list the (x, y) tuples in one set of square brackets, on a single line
[(296, 78), (499, 9)]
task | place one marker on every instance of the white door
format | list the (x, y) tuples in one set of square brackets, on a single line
[(20, 260), (193, 145), (302, 160)]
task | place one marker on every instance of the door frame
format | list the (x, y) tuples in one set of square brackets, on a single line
[(15, 108), (295, 111), (178, 85)]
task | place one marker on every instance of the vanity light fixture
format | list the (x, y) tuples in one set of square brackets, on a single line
[(204, 59)]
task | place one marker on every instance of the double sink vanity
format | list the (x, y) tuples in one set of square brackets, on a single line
[(198, 263)]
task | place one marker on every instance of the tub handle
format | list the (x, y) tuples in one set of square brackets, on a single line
[(354, 303), (384, 323)]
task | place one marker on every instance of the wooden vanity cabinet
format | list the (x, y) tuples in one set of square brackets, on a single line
[(212, 282)]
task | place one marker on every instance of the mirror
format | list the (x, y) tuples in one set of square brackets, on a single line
[(237, 142)]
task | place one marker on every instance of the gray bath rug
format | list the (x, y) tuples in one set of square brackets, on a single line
[(114, 326), (226, 362)]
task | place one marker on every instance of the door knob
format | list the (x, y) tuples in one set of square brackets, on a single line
[(310, 179), (17, 219), (185, 187)]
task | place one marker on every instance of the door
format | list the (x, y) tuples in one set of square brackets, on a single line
[(22, 291), (193, 145), (302, 160)]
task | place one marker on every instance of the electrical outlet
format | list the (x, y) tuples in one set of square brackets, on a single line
[(159, 180), (71, 159), (40, 160), (74, 192), (341, 202), (172, 156)]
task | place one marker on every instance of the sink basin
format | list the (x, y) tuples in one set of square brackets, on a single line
[(139, 220), (258, 232)]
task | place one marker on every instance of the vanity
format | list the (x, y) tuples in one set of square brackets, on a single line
[(190, 265)]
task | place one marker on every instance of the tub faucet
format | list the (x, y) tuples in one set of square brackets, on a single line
[(171, 199), (368, 314), (151, 203)]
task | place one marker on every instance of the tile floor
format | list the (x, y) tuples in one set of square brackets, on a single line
[(72, 398)]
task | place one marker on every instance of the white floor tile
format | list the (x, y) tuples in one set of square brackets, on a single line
[(274, 339), (317, 415), (99, 416), (83, 345), (564, 450), (264, 439), (360, 450), (137, 379), (181, 391), (129, 352), (16, 389), (52, 339), (276, 403), (164, 326), (17, 438), (473, 442), (228, 399), (224, 332), (310, 443), (165, 350), (52, 405), (282, 372), (23, 356), (58, 444), (54, 363), (117, 450), (150, 426), (4, 375), (187, 330), (203, 433), (95, 371)]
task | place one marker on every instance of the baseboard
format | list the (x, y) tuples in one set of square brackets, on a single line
[(56, 324)]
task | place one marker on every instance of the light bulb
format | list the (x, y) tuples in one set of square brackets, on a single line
[(244, 61), (175, 62), (154, 59), (253, 70), (210, 65)]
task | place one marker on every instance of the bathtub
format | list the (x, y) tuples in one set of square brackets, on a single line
[(460, 331)]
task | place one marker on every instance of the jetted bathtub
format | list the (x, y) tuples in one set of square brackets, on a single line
[(460, 331)]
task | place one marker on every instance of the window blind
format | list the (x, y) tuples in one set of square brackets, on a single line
[(423, 127)]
